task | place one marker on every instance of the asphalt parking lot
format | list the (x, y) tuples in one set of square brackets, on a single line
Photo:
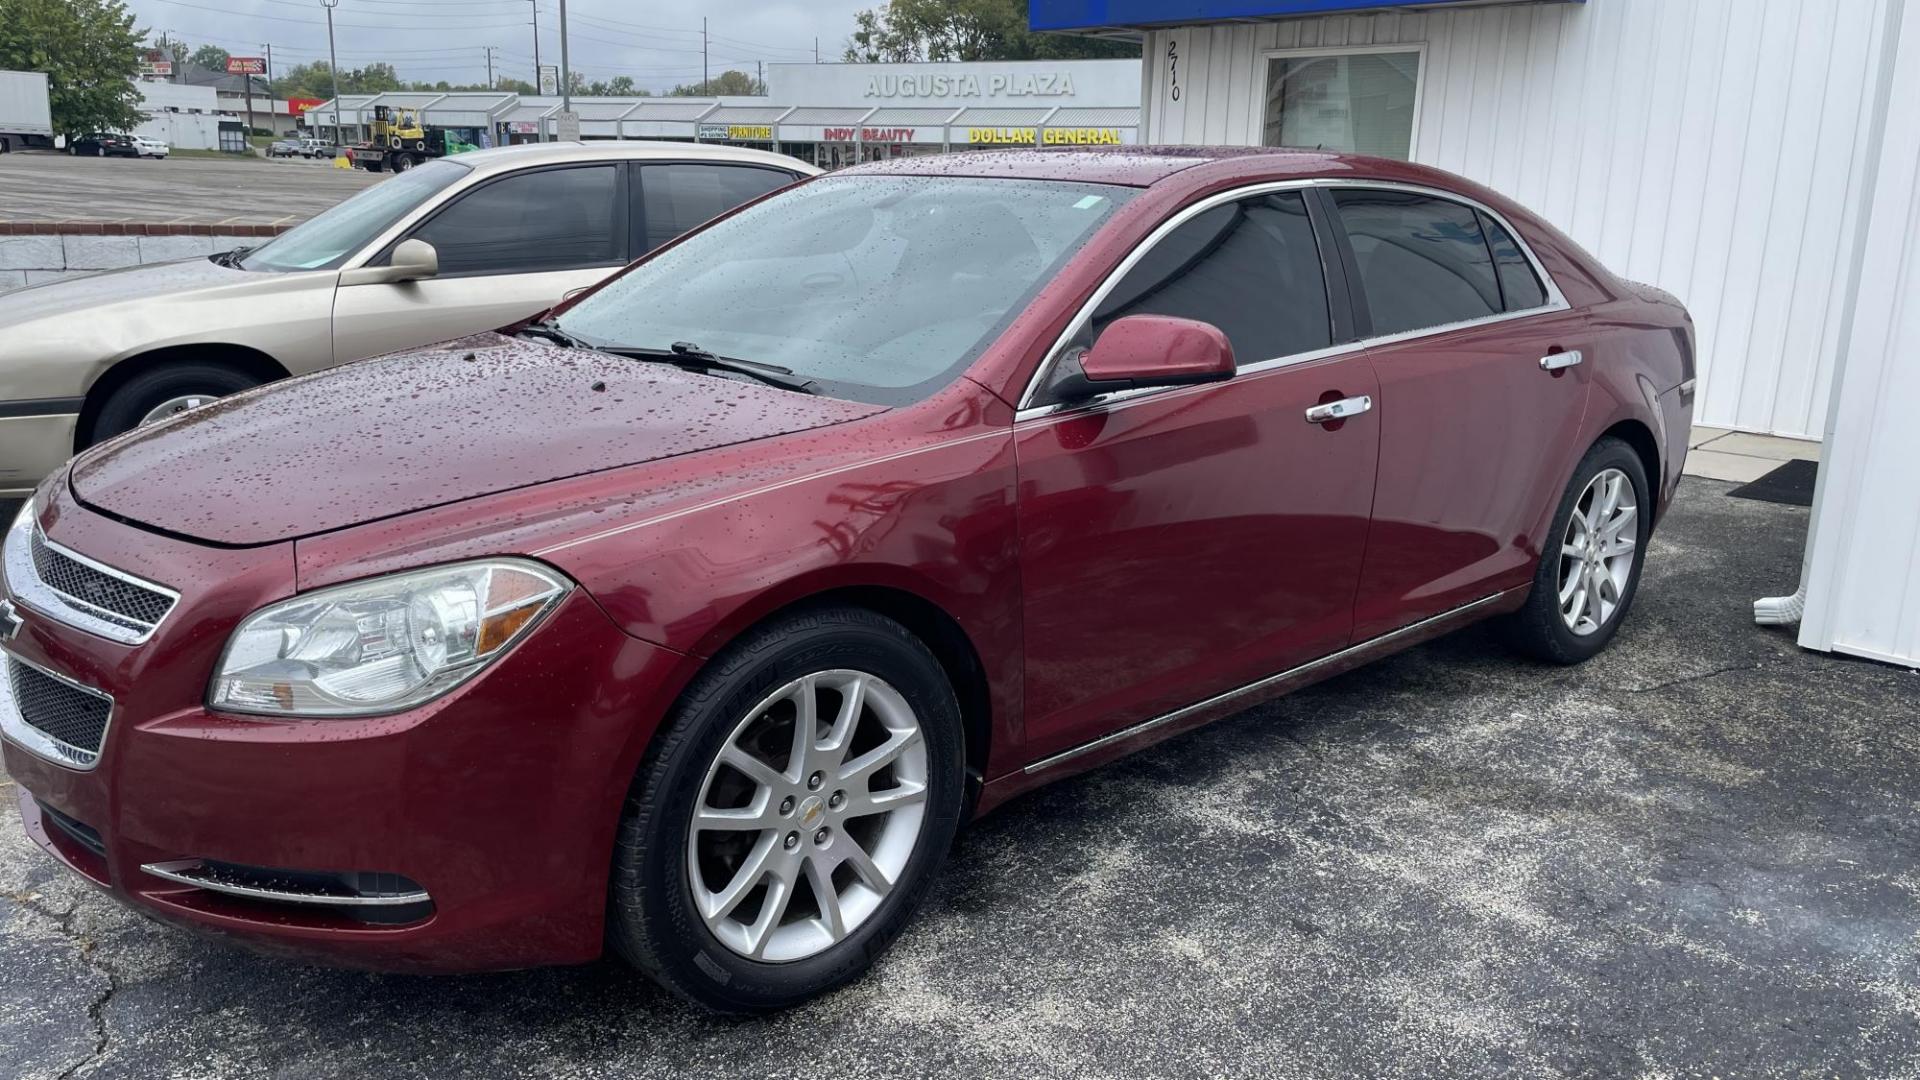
[(42, 187), (1697, 855)]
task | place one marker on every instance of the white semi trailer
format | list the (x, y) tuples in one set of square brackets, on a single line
[(26, 120)]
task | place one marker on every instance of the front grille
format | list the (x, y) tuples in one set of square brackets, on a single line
[(115, 599), (74, 719)]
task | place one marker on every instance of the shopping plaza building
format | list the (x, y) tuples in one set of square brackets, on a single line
[(827, 114)]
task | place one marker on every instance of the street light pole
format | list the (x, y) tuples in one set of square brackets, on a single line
[(333, 68), (566, 77)]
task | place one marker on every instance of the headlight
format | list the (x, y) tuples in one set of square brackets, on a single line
[(381, 645)]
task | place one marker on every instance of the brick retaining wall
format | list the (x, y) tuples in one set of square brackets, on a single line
[(36, 252)]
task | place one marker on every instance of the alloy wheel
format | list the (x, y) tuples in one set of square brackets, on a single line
[(1597, 552), (808, 816)]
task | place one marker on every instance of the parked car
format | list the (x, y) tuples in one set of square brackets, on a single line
[(287, 148), (469, 244), (104, 144), (317, 148), (148, 146), (696, 617)]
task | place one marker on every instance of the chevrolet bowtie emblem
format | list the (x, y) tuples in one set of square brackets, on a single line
[(10, 623)]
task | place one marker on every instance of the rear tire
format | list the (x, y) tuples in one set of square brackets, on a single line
[(806, 837), (131, 403), (1589, 568)]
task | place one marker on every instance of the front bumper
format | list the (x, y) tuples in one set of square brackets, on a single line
[(499, 800)]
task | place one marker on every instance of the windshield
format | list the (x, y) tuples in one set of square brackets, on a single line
[(324, 241), (875, 288)]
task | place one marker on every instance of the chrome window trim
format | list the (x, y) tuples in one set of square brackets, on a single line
[(24, 582), (180, 872), (40, 744), (1556, 300)]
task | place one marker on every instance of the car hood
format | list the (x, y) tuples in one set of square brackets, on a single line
[(423, 428), (127, 285)]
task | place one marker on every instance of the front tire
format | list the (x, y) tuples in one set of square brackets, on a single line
[(791, 813), (163, 390), (1589, 569)]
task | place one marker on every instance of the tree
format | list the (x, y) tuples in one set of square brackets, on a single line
[(910, 31), (620, 86), (90, 52), (211, 57), (730, 83)]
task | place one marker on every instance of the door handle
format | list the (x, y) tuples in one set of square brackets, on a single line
[(1339, 410), (1559, 360)]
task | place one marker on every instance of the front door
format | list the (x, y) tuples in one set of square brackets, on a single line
[(1184, 542), (1477, 435), (508, 249)]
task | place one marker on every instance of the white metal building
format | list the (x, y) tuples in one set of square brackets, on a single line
[(185, 117), (1757, 158)]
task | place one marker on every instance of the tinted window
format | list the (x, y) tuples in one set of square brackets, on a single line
[(1423, 261), (1250, 268), (327, 238), (1519, 286), (675, 198), (554, 219)]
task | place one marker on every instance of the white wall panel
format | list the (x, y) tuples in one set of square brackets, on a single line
[(1863, 563), (1712, 147)]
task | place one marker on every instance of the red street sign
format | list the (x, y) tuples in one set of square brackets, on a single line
[(246, 65)]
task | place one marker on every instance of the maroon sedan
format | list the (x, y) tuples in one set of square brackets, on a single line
[(695, 618)]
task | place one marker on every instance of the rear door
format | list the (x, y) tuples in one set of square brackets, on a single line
[(509, 248), (1477, 435), (1178, 543)]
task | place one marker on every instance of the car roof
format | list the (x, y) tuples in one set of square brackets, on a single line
[(501, 158), (1141, 166)]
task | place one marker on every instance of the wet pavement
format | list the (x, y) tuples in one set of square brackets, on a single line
[(46, 187), (1697, 854)]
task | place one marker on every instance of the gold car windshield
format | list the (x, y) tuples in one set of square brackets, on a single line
[(324, 241)]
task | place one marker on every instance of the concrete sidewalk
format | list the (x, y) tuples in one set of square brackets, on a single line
[(1698, 854)]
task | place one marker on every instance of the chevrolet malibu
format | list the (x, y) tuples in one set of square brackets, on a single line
[(456, 246), (693, 619)]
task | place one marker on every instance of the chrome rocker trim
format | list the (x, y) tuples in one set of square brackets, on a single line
[(1271, 685)]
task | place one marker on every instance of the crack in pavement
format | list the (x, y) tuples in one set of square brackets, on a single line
[(1683, 680), (87, 950)]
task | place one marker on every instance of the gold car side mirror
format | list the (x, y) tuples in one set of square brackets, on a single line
[(413, 260)]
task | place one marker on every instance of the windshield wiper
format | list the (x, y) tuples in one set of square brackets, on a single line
[(685, 354), (231, 259), (549, 329)]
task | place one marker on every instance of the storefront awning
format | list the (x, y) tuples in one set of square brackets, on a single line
[(1096, 15)]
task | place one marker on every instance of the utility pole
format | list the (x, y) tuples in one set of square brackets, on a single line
[(267, 47), (536, 46), (816, 50), (489, 67), (706, 80), (333, 68), (566, 77), (760, 66)]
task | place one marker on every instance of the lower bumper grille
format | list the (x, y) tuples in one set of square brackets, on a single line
[(52, 715), (79, 832), (366, 896)]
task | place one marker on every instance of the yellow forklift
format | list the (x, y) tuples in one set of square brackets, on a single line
[(400, 141)]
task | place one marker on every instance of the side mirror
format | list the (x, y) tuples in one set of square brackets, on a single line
[(1151, 350), (412, 260)]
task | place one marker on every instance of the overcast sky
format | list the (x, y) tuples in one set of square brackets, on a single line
[(657, 42)]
